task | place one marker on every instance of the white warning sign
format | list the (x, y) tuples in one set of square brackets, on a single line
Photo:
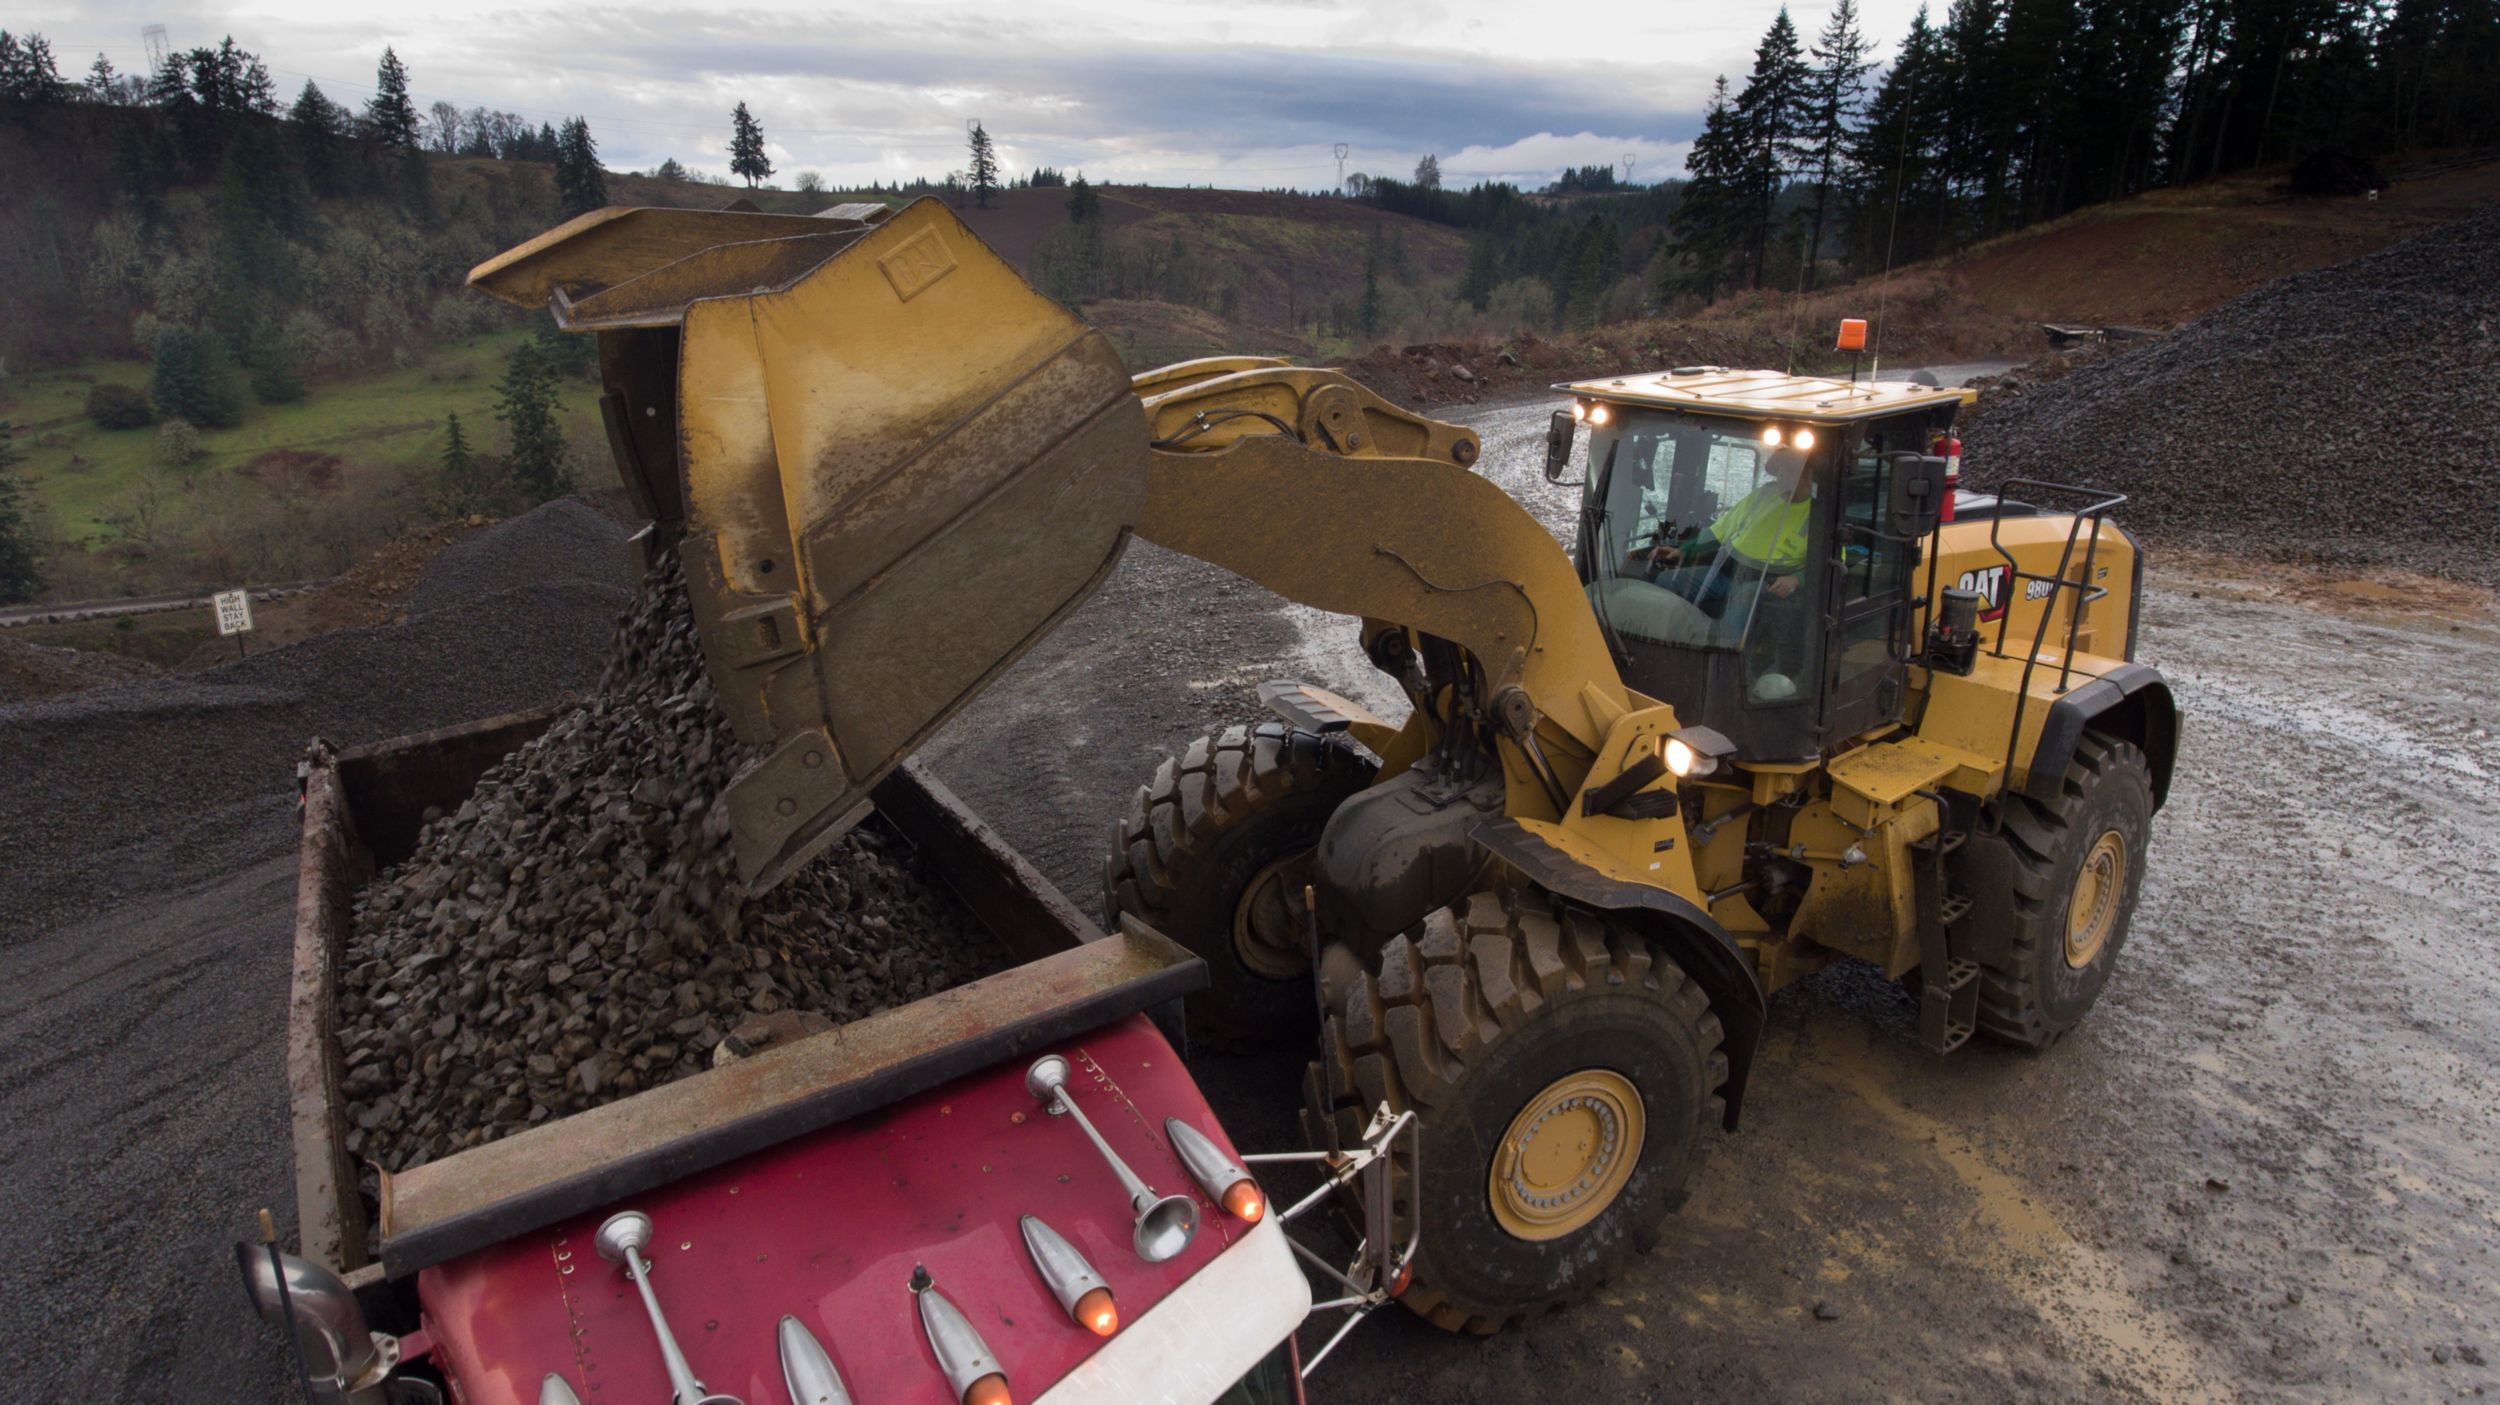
[(234, 612)]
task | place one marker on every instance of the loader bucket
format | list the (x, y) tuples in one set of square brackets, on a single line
[(890, 467)]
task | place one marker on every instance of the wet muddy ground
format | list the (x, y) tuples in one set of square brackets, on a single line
[(2266, 1167)]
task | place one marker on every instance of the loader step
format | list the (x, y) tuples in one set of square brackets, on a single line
[(1955, 907), (1948, 1008)]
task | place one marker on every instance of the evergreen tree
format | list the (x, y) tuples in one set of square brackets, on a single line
[(581, 186), (983, 173), (1084, 203), (1484, 270), (669, 170), (1834, 88), (21, 576), (276, 366), (143, 168), (1898, 187), (391, 117), (1368, 312), (1711, 217), (1768, 112), (526, 403), (28, 72), (746, 148), (195, 380), (463, 482), (319, 128), (103, 84)]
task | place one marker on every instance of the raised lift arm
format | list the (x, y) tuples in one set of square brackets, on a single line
[(891, 467)]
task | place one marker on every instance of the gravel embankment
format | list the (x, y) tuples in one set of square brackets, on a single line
[(170, 782), (2348, 416), (577, 930), (566, 539)]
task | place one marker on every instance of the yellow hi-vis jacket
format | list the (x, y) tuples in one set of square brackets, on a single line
[(1765, 527)]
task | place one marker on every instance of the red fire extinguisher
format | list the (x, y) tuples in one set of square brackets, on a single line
[(1949, 449)]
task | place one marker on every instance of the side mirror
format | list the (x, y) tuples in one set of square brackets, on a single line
[(1558, 436), (1917, 495)]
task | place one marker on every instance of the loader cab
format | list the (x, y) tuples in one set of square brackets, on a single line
[(1752, 553)]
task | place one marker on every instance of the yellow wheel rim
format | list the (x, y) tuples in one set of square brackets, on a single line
[(1568, 1154), (2092, 913), (1268, 932)]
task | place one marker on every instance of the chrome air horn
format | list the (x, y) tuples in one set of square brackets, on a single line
[(621, 1241), (1165, 1223)]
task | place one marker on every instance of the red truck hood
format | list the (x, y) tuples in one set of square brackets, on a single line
[(828, 1228)]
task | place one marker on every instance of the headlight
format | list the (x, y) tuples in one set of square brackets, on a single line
[(1680, 758), (1599, 414)]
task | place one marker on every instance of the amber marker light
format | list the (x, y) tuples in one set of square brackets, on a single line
[(1243, 1201), (989, 1390), (1100, 1315)]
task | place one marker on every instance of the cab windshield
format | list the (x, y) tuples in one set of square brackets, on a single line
[(1696, 531)]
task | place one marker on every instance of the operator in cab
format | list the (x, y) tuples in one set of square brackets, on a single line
[(1762, 537)]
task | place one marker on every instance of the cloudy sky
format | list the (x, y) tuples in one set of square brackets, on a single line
[(1247, 93)]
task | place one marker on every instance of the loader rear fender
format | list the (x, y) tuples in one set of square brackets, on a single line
[(2131, 703), (1687, 930)]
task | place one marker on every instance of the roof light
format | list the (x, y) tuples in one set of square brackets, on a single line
[(1579, 409), (1599, 414), (1221, 1177), (1805, 438), (555, 1390), (1771, 435), (970, 1370), (1852, 334), (806, 1369), (1073, 1281)]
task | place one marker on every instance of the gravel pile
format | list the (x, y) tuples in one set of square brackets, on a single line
[(2347, 416), (577, 931), (29, 670), (566, 539), (174, 781)]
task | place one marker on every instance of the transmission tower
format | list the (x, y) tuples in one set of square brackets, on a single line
[(1627, 167), (155, 36), (1342, 151)]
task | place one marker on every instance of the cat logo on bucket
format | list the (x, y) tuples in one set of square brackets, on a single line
[(1989, 581)]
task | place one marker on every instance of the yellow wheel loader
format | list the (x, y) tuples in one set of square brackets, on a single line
[(1767, 713)]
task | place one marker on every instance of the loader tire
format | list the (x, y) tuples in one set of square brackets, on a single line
[(2078, 866), (1210, 854), (1564, 1072)]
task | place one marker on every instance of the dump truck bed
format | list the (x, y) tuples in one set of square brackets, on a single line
[(362, 811)]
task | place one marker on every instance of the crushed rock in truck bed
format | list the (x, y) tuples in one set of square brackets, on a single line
[(577, 931)]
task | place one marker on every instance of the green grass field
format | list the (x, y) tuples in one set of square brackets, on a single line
[(385, 423)]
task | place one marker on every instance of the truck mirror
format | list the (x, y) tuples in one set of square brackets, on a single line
[(1558, 437), (1917, 495)]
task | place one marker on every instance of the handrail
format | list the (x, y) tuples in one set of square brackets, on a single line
[(2098, 502)]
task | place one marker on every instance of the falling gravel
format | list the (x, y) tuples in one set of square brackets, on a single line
[(2348, 416), (577, 931)]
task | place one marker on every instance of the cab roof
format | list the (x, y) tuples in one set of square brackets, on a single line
[(1767, 395)]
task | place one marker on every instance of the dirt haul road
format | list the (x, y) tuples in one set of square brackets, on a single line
[(2264, 1169)]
